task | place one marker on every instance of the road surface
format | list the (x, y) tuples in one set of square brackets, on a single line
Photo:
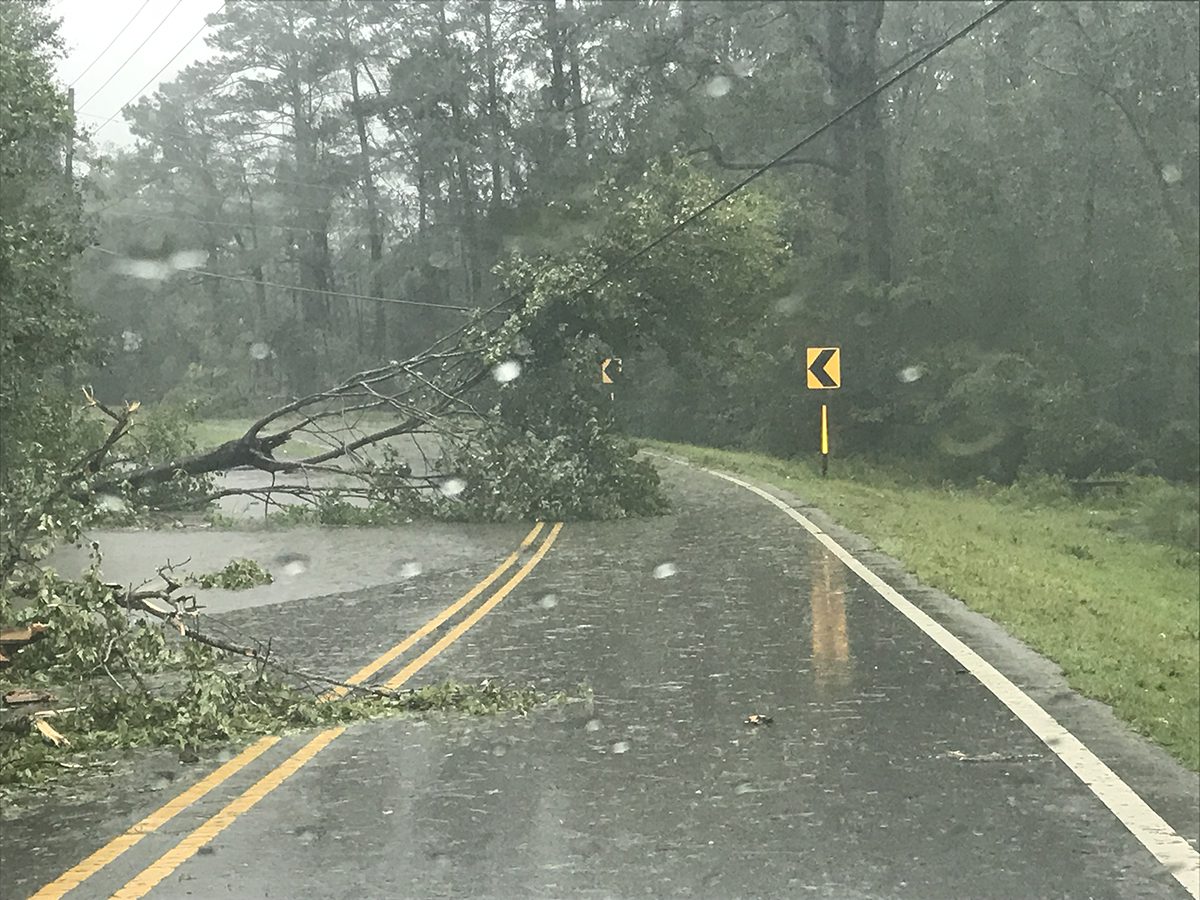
[(888, 769)]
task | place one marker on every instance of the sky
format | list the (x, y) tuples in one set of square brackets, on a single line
[(87, 28)]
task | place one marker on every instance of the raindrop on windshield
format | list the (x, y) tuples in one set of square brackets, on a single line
[(452, 487), (506, 371), (440, 259), (294, 568), (149, 269), (109, 503), (718, 86), (909, 374), (742, 68), (957, 446), (133, 341), (548, 602), (259, 350), (499, 750), (1171, 174), (187, 259), (410, 570), (592, 725), (620, 747), (665, 570), (789, 305), (605, 99)]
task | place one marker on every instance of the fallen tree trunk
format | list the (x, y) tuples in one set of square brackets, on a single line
[(397, 387)]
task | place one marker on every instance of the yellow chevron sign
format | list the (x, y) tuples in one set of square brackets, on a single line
[(824, 368), (610, 370)]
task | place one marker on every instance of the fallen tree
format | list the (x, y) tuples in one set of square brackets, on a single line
[(520, 428), (510, 398)]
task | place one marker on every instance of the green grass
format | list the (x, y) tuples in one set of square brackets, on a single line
[(211, 432), (1106, 586)]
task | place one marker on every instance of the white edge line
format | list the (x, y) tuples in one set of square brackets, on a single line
[(1175, 853)]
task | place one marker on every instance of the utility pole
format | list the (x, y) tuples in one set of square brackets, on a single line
[(70, 159)]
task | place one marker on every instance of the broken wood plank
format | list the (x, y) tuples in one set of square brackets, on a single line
[(24, 695), (23, 635), (49, 733)]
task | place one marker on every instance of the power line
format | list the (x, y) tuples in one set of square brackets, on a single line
[(190, 221), (619, 265), (100, 55), (348, 294), (808, 138), (150, 80), (304, 290), (131, 56)]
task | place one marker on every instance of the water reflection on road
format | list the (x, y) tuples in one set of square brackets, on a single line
[(830, 639)]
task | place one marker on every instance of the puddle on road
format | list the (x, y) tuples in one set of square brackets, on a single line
[(305, 562)]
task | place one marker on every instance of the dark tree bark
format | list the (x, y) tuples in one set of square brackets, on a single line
[(493, 100), (371, 193), (579, 113), (851, 58), (558, 81)]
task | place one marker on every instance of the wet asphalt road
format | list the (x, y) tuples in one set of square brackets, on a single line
[(887, 771)]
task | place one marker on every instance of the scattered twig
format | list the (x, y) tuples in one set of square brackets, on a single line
[(141, 601)]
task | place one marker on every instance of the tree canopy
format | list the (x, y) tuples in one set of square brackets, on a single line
[(1003, 243)]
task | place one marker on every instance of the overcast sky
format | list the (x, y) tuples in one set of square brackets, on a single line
[(87, 28)]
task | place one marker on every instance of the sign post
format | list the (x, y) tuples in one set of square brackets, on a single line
[(824, 373), (824, 439)]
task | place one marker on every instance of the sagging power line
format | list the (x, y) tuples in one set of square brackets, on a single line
[(129, 58), (621, 264), (109, 46), (161, 69), (305, 290)]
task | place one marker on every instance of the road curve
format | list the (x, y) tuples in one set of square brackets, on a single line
[(887, 769)]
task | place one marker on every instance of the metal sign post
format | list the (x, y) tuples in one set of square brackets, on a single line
[(824, 439)]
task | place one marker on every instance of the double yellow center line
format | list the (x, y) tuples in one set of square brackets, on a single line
[(146, 880)]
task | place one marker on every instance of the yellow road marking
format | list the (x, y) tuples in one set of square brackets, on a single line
[(76, 875), (185, 849), (144, 882), (462, 627), (374, 666)]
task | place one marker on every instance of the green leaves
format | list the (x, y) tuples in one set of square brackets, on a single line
[(692, 292), (124, 681), (237, 575)]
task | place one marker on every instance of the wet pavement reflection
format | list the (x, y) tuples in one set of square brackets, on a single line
[(655, 786), (827, 600), (650, 783)]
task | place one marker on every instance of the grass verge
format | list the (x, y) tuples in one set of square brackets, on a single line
[(1108, 587)]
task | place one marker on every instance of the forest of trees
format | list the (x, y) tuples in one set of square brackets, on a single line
[(1004, 244)]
